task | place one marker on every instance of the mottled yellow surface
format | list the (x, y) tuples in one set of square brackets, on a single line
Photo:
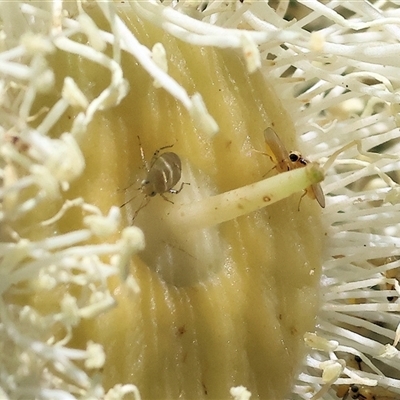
[(224, 306)]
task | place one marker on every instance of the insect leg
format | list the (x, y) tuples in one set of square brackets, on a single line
[(176, 191), (157, 152), (144, 203), (166, 198), (165, 147), (301, 198)]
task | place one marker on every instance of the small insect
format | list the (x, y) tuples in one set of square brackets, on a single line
[(163, 173), (362, 392), (356, 392), (287, 161), (393, 274)]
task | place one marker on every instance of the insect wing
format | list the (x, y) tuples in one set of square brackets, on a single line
[(276, 150), (318, 194)]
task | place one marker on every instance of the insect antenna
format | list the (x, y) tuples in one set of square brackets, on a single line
[(166, 198), (127, 187)]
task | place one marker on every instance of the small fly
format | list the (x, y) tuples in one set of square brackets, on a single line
[(356, 392), (287, 161), (163, 173), (362, 392)]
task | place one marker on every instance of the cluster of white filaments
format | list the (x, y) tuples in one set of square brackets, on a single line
[(34, 363), (336, 68)]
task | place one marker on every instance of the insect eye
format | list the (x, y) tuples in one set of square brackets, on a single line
[(293, 157), (152, 194), (354, 389)]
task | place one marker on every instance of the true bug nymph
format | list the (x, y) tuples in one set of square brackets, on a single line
[(163, 174), (286, 161)]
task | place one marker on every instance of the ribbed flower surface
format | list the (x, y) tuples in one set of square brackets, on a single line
[(188, 300)]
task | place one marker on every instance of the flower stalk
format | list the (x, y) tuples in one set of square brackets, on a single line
[(238, 202)]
